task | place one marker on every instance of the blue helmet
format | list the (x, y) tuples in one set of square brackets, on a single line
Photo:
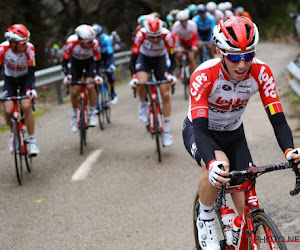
[(98, 29)]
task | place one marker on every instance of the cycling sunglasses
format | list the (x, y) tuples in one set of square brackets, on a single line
[(236, 58), (155, 37)]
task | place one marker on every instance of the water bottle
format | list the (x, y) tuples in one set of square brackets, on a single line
[(228, 216), (236, 229)]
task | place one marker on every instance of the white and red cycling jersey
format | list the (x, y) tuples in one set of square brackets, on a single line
[(143, 45), (16, 64), (74, 49), (222, 101), (186, 36)]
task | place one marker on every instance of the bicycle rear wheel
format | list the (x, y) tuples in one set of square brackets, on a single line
[(18, 154), (267, 233), (82, 127), (157, 131)]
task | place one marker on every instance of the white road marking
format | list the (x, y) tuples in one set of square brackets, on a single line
[(83, 170)]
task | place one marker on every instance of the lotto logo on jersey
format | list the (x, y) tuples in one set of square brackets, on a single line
[(196, 84), (267, 82)]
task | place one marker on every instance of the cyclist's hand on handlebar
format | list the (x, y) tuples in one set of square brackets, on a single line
[(67, 79), (133, 82), (294, 154), (31, 93), (172, 79), (216, 173), (98, 80)]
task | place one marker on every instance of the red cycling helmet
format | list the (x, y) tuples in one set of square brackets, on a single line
[(237, 33), (154, 26), (17, 32)]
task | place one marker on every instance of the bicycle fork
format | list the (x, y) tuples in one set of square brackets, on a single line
[(154, 100), (84, 98)]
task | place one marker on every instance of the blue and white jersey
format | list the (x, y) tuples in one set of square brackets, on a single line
[(105, 44), (205, 27)]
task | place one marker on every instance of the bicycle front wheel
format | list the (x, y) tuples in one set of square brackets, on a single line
[(157, 131), (81, 126), (267, 234), (101, 111), (18, 154), (107, 108)]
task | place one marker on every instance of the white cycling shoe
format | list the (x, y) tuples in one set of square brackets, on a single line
[(93, 121), (143, 112), (207, 236), (33, 149), (167, 139), (74, 127)]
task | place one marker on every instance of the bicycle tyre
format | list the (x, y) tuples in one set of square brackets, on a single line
[(157, 131), (101, 112), (263, 222), (18, 154), (107, 109), (81, 126)]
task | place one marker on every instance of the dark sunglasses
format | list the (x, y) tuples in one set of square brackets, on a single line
[(236, 58), (155, 37)]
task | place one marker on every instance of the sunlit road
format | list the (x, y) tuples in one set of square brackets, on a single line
[(123, 198)]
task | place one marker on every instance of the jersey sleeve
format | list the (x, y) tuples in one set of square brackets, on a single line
[(138, 40), (200, 87), (30, 53), (96, 50)]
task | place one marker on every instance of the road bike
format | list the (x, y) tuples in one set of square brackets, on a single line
[(20, 138), (258, 230), (82, 112), (205, 53), (155, 114), (103, 103)]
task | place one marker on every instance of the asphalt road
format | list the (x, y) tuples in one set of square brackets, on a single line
[(128, 200)]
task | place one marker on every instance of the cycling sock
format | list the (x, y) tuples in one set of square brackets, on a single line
[(92, 110), (143, 102), (74, 112), (32, 139), (167, 124), (206, 213)]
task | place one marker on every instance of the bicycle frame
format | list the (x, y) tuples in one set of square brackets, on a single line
[(83, 96), (155, 100)]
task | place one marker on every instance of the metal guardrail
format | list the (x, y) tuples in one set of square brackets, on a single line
[(294, 76), (55, 75)]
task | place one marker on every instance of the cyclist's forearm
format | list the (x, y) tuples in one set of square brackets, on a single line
[(132, 63), (173, 62), (282, 131), (64, 65), (30, 77), (203, 139)]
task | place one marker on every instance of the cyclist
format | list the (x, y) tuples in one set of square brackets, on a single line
[(185, 32), (213, 131), (17, 55), (212, 9), (192, 10), (205, 24), (107, 59), (83, 50), (151, 44)]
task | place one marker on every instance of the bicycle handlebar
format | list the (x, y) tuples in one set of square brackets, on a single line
[(253, 172), (14, 98), (153, 83), (82, 83)]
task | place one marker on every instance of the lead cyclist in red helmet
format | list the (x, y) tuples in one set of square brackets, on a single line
[(213, 131), (17, 55), (152, 45)]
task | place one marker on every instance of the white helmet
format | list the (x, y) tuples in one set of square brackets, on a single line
[(237, 33), (211, 6), (183, 15), (222, 6), (153, 26), (228, 5), (85, 32)]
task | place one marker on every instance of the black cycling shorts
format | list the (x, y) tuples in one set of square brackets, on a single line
[(158, 64), (82, 68), (11, 85), (232, 143)]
